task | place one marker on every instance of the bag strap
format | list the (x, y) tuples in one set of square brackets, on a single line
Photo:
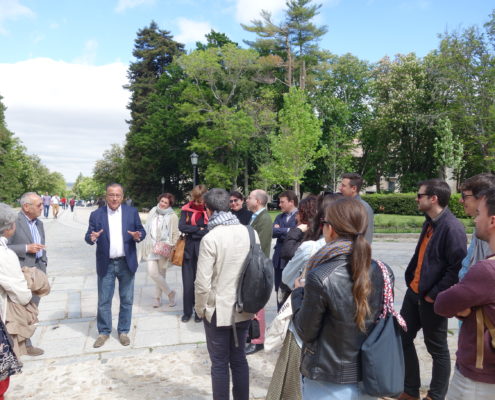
[(238, 306), (481, 321), (388, 297)]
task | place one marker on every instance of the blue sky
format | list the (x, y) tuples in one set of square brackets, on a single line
[(63, 63)]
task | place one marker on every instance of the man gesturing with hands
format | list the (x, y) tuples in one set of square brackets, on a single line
[(115, 229)]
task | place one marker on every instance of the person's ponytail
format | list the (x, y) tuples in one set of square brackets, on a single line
[(349, 219)]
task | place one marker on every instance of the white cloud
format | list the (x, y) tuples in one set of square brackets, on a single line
[(123, 5), (12, 10), (192, 31), (248, 10), (67, 114)]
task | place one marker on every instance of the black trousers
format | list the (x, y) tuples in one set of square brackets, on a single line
[(224, 354), (189, 268), (419, 314)]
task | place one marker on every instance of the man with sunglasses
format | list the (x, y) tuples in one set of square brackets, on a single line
[(470, 199), (433, 268)]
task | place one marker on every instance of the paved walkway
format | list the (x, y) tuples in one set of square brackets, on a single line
[(67, 323)]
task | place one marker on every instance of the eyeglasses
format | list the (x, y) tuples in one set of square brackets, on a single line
[(234, 201), (419, 195), (465, 196), (325, 222), (117, 196)]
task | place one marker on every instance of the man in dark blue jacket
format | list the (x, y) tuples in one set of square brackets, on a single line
[(115, 229), (283, 223), (433, 268)]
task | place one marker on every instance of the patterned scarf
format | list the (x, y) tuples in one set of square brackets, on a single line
[(329, 251), (197, 211), (222, 218)]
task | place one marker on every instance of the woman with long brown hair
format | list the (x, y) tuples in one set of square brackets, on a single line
[(337, 305)]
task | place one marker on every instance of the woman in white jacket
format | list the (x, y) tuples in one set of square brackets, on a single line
[(162, 225)]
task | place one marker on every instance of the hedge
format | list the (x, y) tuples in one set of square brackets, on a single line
[(405, 204)]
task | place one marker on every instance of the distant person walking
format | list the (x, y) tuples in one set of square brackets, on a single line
[(55, 205), (115, 229), (350, 186), (72, 203), (47, 200)]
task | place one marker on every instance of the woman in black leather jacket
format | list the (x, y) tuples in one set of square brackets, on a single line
[(337, 305)]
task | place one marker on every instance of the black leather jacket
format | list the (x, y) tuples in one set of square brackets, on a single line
[(324, 319)]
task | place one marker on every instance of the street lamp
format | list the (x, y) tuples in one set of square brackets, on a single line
[(194, 162), (163, 183)]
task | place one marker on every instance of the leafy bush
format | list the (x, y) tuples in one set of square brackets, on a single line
[(405, 204)]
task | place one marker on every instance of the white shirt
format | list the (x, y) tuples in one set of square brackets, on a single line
[(55, 200), (115, 234)]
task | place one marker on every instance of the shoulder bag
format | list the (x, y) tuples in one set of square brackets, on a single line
[(382, 357), (178, 253)]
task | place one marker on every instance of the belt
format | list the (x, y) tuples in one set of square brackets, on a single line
[(117, 258)]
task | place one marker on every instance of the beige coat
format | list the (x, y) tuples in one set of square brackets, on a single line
[(221, 254), (13, 284)]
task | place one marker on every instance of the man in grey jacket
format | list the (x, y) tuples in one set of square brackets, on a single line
[(350, 186), (28, 243)]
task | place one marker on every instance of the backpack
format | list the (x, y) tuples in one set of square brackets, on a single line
[(256, 280)]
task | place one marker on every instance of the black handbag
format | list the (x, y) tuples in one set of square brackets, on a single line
[(382, 357)]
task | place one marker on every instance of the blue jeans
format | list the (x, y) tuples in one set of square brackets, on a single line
[(315, 390), (46, 209), (117, 268)]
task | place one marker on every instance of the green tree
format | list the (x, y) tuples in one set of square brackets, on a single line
[(149, 127), (111, 167), (463, 68), (218, 101), (297, 144), (87, 188)]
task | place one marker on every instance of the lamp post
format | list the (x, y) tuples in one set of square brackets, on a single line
[(163, 183), (194, 162)]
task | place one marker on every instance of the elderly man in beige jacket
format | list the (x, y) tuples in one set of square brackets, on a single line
[(221, 256)]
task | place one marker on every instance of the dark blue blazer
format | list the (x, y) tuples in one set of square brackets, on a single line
[(280, 234), (130, 222)]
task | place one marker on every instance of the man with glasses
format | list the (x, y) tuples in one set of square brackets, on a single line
[(28, 242), (432, 269), (470, 190), (115, 229)]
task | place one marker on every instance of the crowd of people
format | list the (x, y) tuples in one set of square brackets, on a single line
[(322, 267), (56, 202)]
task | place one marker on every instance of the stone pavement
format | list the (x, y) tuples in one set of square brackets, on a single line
[(67, 326)]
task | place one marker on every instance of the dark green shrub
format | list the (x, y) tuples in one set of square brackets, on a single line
[(405, 204)]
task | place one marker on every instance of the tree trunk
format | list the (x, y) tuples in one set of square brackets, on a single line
[(289, 62), (302, 77), (246, 176), (297, 189)]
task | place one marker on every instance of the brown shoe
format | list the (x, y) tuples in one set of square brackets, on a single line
[(405, 396), (124, 339), (34, 351), (100, 341)]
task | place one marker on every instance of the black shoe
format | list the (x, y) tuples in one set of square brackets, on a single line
[(252, 348), (197, 318), (185, 318)]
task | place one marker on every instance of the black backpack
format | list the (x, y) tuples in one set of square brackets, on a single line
[(256, 281)]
